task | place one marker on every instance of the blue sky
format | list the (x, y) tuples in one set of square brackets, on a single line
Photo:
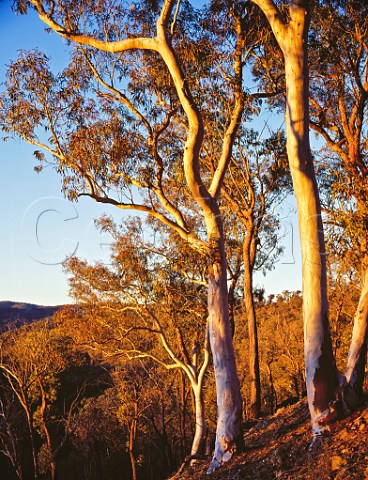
[(39, 227)]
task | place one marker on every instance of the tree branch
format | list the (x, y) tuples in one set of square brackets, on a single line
[(113, 47)]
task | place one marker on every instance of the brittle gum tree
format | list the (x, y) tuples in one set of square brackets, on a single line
[(339, 101), (141, 295), (256, 185), (126, 117), (290, 26)]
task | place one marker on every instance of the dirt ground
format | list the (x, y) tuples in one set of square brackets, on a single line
[(278, 447)]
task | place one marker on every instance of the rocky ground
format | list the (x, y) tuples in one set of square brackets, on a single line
[(278, 447)]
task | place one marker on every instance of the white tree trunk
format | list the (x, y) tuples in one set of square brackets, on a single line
[(321, 372), (357, 358), (200, 423), (229, 412)]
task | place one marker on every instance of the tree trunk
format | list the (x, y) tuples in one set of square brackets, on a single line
[(228, 432), (273, 396), (197, 388), (321, 372), (231, 296), (183, 402), (254, 373), (132, 434), (28, 413), (200, 423), (46, 430), (357, 358)]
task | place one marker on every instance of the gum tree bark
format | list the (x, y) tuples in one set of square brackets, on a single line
[(229, 411), (357, 358), (339, 115), (321, 372), (197, 386), (254, 371)]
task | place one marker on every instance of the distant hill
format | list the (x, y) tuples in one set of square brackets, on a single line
[(21, 313)]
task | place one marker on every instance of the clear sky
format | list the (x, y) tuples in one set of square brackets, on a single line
[(39, 227)]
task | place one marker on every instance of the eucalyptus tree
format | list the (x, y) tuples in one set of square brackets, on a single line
[(125, 116), (339, 107), (140, 302), (33, 361), (258, 181), (337, 97), (290, 27)]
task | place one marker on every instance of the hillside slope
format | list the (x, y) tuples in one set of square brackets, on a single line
[(21, 313), (278, 448)]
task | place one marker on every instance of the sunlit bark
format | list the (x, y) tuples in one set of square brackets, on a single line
[(228, 432), (338, 112), (254, 371), (321, 373), (357, 358)]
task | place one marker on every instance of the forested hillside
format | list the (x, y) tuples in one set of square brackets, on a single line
[(196, 118), (20, 313), (103, 398)]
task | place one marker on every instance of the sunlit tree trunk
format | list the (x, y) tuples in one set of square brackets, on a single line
[(254, 372), (200, 422), (321, 373), (132, 435), (358, 348), (347, 112), (357, 358), (183, 403), (197, 380), (228, 432)]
